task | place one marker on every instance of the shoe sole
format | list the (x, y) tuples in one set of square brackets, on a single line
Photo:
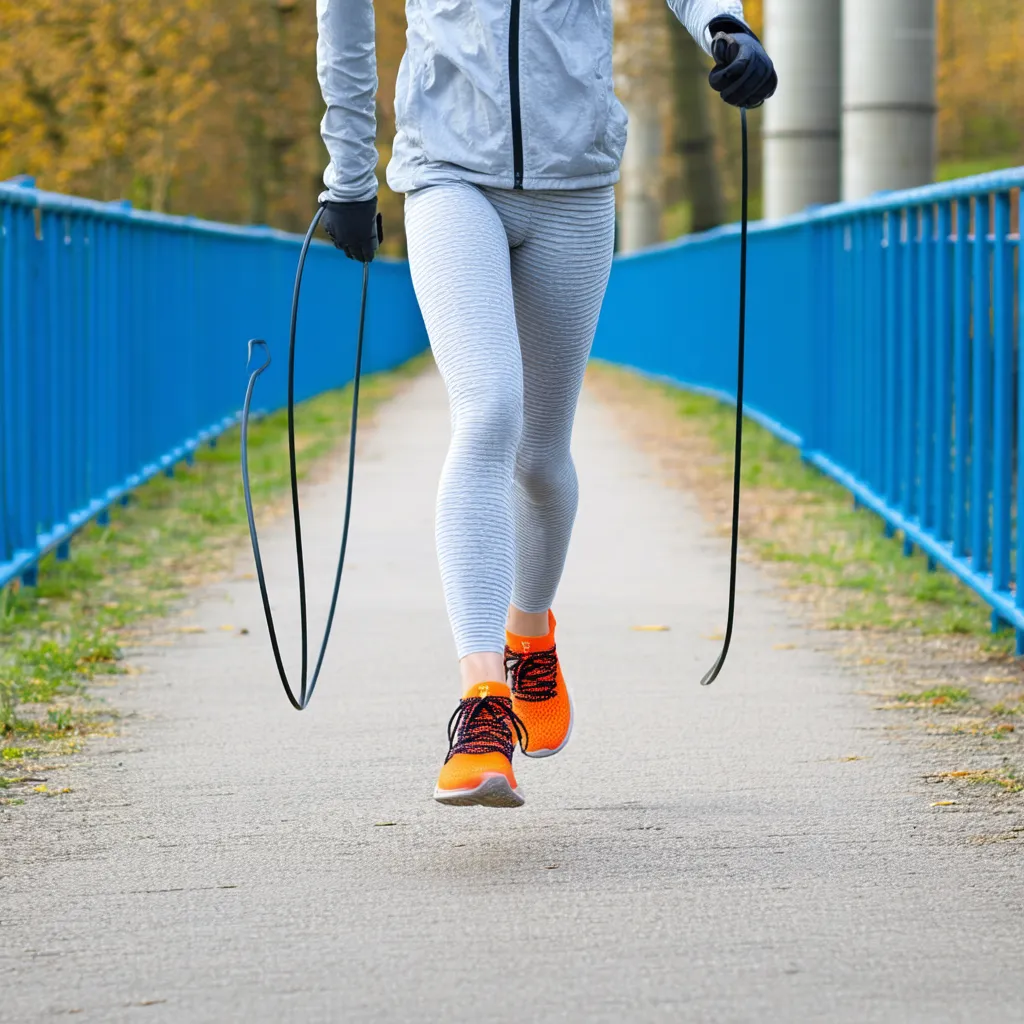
[(494, 791), (550, 752)]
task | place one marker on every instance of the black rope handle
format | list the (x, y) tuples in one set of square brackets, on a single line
[(306, 684), (712, 674)]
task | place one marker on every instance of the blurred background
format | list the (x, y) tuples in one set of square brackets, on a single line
[(211, 107)]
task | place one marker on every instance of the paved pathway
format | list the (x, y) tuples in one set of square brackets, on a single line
[(698, 855)]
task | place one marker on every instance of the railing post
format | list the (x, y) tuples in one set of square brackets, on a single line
[(1002, 404), (943, 381), (892, 364), (908, 391), (1019, 567), (926, 343), (961, 375), (814, 246), (981, 453)]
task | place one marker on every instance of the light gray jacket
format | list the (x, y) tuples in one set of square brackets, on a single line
[(508, 93)]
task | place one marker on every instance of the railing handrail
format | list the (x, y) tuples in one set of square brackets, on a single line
[(883, 340), (945, 191), (94, 298), (117, 210)]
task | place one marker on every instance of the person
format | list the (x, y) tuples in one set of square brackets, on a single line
[(508, 143)]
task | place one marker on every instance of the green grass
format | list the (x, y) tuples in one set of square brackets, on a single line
[(937, 696), (814, 530), (677, 219), (57, 637), (950, 170), (1007, 779), (1006, 709)]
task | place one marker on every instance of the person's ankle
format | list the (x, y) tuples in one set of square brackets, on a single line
[(482, 667), (522, 623)]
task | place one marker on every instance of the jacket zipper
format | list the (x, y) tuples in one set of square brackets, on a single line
[(513, 79)]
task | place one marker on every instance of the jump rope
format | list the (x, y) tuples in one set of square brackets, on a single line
[(307, 683)]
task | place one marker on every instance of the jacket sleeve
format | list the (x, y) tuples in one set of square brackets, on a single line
[(346, 65), (696, 15)]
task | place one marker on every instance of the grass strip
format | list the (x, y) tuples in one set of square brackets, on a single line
[(921, 635), (175, 533), (796, 517)]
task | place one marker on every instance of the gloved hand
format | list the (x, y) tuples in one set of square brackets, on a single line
[(357, 227), (743, 72)]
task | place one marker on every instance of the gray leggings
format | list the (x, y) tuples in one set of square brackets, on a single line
[(510, 284)]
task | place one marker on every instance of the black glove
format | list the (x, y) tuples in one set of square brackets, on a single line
[(355, 227), (743, 72)]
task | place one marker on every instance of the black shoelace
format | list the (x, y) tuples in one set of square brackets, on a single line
[(533, 676), (482, 725)]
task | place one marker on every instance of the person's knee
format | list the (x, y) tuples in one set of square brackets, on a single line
[(490, 424), (546, 479)]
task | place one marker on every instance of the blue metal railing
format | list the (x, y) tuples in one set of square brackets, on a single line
[(122, 348), (885, 340)]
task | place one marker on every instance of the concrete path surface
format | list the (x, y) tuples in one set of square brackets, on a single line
[(694, 855)]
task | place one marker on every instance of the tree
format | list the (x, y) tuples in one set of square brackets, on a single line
[(211, 107), (693, 136)]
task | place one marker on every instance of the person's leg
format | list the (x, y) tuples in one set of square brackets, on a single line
[(459, 258), (559, 276)]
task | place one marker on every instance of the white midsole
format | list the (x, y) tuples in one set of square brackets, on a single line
[(456, 793), (495, 790)]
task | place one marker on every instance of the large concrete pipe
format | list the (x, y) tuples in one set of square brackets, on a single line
[(889, 95), (640, 191), (802, 121)]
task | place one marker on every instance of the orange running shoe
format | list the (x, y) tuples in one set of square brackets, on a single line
[(540, 698), (482, 735)]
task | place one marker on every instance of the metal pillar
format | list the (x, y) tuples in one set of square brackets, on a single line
[(889, 95), (802, 121)]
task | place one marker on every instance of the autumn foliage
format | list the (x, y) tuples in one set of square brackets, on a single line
[(207, 107), (211, 107)]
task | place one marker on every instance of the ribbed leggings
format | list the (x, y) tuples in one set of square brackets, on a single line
[(510, 284)]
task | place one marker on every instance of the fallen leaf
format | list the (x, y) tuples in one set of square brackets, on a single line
[(714, 636), (944, 803), (191, 629), (999, 679), (384, 824), (227, 628), (783, 647), (652, 629)]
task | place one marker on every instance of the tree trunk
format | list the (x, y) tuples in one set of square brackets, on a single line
[(693, 137), (640, 72)]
